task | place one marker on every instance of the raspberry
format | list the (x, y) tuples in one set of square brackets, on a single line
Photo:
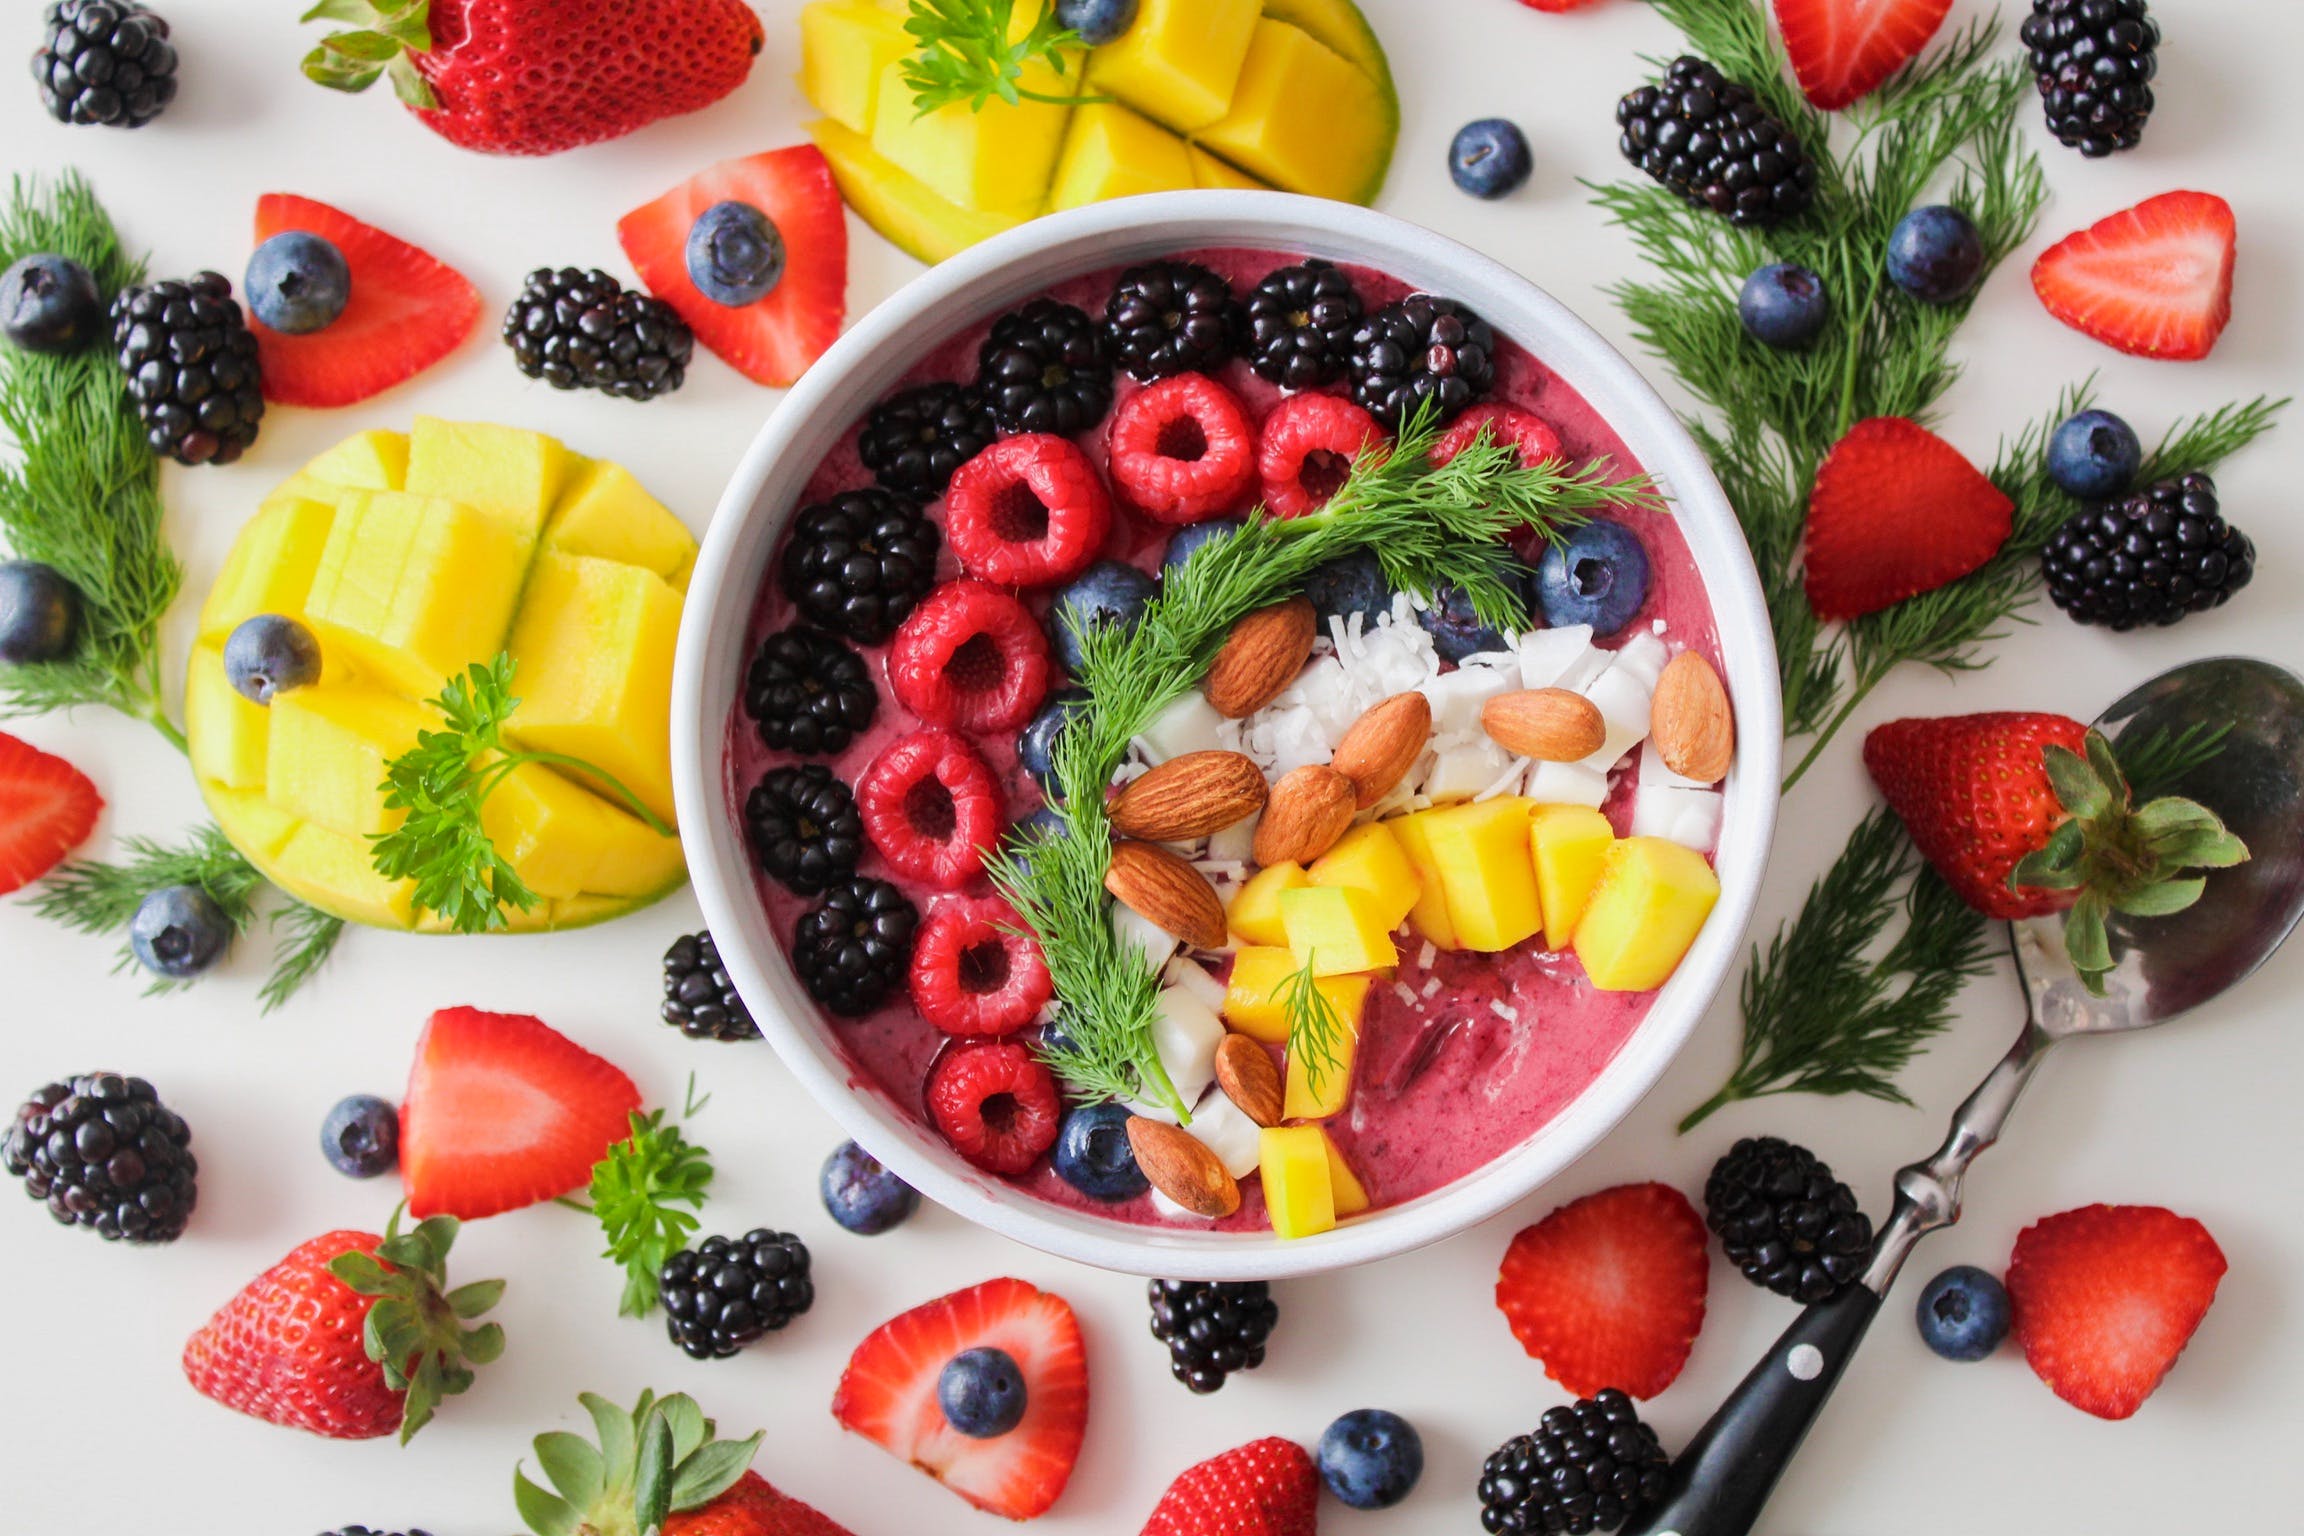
[(1531, 433), (931, 807), (1308, 447), (975, 971), (1028, 511), (1183, 450), (996, 1104), (971, 657)]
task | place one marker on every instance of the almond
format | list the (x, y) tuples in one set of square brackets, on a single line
[(1261, 657), (1158, 885), (1383, 744), (1180, 1166), (1189, 796), (1550, 725), (1245, 1072), (1308, 810), (1690, 721)]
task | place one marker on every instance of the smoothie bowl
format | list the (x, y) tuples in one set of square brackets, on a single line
[(1402, 891)]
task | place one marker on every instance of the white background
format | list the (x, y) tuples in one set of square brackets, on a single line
[(99, 1434)]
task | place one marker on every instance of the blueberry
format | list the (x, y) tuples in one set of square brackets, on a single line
[(2094, 456), (1348, 585), (50, 304), (361, 1136), (1963, 1313), (982, 1393), (1935, 254), (1489, 157), (735, 254), (1456, 630), (861, 1195), (1106, 593), (39, 612), (1191, 536), (1036, 743), (1097, 21), (1092, 1153), (1598, 577), (1783, 306), (1053, 1035), (298, 283), (178, 931), (270, 655), (1370, 1459)]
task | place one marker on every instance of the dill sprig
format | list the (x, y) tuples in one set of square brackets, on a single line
[(1315, 1027), (303, 937), (634, 1192), (968, 52)]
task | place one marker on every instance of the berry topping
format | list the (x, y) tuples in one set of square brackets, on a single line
[(1264, 1488), (1300, 324), (1608, 1291), (1785, 1221), (361, 1136), (1708, 140), (1936, 254), (970, 657), (1370, 1459), (1963, 1313), (2094, 455), (808, 693), (1093, 1155), (1109, 595), (581, 330), (1212, 1327), (1597, 575), (50, 305), (1588, 1467), (976, 969), (1028, 511), (2150, 558), (1489, 157), (1036, 743), (2093, 61), (1895, 512), (916, 438), (735, 254), (1974, 792), (104, 62), (1097, 21), (269, 655), (1842, 49), (1171, 317), (858, 563), (2154, 281), (699, 999), (39, 613), (1186, 541), (1043, 369), (47, 809), (804, 827), (1307, 448), (1421, 351), (1455, 629), (726, 1292), (104, 1152), (995, 1102), (860, 1195), (1524, 430), (851, 950), (178, 931), (982, 1393), (192, 368), (932, 808), (1783, 306), (2106, 1297), (1347, 585), (1183, 450), (297, 283)]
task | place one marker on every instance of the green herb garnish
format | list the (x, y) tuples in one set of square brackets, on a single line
[(634, 1191), (1315, 1028), (382, 40), (968, 53), (415, 1329)]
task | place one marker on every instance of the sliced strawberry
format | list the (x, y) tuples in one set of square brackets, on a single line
[(2107, 1296), (47, 809), (1264, 1488), (773, 339), (888, 1394), (2155, 281), (1895, 512), (408, 310), (503, 1111), (1608, 1291), (1842, 49)]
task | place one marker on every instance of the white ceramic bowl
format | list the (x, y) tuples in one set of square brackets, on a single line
[(992, 277)]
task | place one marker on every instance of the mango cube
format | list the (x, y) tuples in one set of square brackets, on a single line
[(336, 873), (1112, 152), (1488, 870), (606, 514), (1337, 929), (1315, 1095), (1303, 116), (1351, 1196), (845, 48), (230, 737), (1211, 171), (1253, 992), (254, 824), (563, 840), (1369, 858), (1652, 899), (998, 160), (330, 745), (415, 588), (271, 565), (1429, 917), (925, 226), (367, 461), (1179, 61), (1570, 842), (500, 472), (1255, 911), (1298, 1194)]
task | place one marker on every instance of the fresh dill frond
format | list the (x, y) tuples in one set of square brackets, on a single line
[(2160, 761), (303, 938), (634, 1192), (969, 53), (1315, 1027)]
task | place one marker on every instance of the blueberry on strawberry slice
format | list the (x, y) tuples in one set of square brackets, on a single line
[(982, 1392), (862, 1196), (1307, 448), (995, 1102), (932, 808), (977, 970), (970, 657), (298, 283), (1182, 450), (735, 254), (2094, 456), (1963, 1313), (1109, 595), (1028, 511), (1598, 575)]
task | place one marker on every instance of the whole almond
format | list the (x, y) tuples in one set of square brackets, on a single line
[(1158, 885), (1690, 720), (1245, 1072), (1189, 796), (1550, 725), (1308, 810), (1261, 657), (1383, 744), (1180, 1166)]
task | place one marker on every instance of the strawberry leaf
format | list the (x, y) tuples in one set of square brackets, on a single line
[(2169, 896), (541, 1512), (2081, 785)]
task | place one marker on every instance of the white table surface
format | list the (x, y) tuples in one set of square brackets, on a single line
[(99, 1434)]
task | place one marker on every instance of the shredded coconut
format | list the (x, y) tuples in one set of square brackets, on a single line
[(1401, 990), (1431, 985), (1426, 955), (1503, 1010)]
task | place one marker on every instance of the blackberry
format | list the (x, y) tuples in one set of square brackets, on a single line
[(2149, 558), (1422, 348), (1170, 317), (1589, 1467), (1708, 139), (807, 693), (2093, 61), (1300, 325), (1785, 1221), (104, 1152), (913, 440), (699, 999), (1043, 369), (804, 827), (105, 62), (192, 369), (722, 1294), (1212, 1327), (582, 330), (853, 948), (857, 564)]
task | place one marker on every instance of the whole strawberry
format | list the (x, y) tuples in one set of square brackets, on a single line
[(1264, 1488)]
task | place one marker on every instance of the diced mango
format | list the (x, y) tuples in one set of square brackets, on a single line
[(546, 828), (360, 565), (845, 48), (1652, 899), (999, 160), (256, 826), (1315, 1095), (271, 565), (368, 461), (1369, 858), (1297, 1192), (1111, 152), (1340, 25), (1429, 917), (337, 874), (923, 225), (1304, 117), (634, 859), (456, 576), (1255, 911), (1351, 1196), (1179, 61), (503, 472), (229, 736), (1488, 871), (1570, 843), (330, 746), (1213, 171), (1336, 929), (606, 514), (1253, 993)]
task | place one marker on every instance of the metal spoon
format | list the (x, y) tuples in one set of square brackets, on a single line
[(2166, 967)]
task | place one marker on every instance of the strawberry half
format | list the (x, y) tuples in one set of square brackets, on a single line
[(1895, 512), (1608, 1291), (888, 1394), (503, 1111), (47, 809), (2106, 1297), (773, 339), (2154, 281), (408, 310), (1264, 1488), (1973, 791), (1842, 49)]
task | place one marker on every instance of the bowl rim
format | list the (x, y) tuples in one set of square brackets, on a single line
[(859, 369)]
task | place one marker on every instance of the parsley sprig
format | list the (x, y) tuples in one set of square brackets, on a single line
[(969, 53), (635, 1192)]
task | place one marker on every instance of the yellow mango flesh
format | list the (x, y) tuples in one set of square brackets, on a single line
[(371, 461), (1570, 843), (607, 515), (501, 472), (1350, 1196), (1429, 917), (337, 874), (1298, 1194), (1488, 871), (229, 736), (255, 825), (1369, 858), (270, 569), (923, 225), (1113, 152), (1253, 992), (1255, 911), (330, 746), (1651, 901), (454, 576), (1337, 929), (1306, 1099), (993, 161), (845, 47), (1179, 61), (1211, 171), (1304, 118)]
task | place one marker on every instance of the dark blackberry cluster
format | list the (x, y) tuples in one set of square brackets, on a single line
[(1708, 139), (722, 1294), (699, 999), (852, 950), (2151, 557), (2094, 61), (104, 62), (1785, 1221), (582, 330), (1044, 369), (1421, 349), (1212, 1327), (804, 827), (1589, 1467), (914, 440), (104, 1152), (857, 564), (1170, 317), (192, 368), (807, 693), (1300, 325)]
